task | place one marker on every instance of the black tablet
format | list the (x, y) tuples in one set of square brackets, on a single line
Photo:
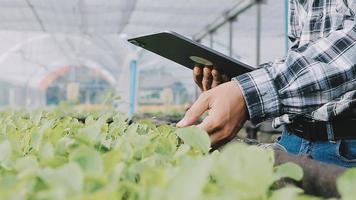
[(189, 53)]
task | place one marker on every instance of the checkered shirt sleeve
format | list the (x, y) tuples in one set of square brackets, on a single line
[(317, 78)]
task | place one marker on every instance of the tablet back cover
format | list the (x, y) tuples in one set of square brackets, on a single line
[(188, 53)]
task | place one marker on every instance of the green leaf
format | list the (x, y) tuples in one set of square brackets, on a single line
[(5, 150), (37, 136), (189, 181), (182, 150), (26, 166), (89, 159), (89, 134), (111, 159), (132, 130), (289, 170), (346, 184), (68, 177), (36, 117), (46, 152), (290, 193), (195, 137), (5, 154), (65, 144), (245, 172)]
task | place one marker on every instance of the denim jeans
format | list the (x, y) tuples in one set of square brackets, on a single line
[(340, 152)]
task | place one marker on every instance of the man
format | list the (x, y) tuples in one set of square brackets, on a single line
[(312, 91)]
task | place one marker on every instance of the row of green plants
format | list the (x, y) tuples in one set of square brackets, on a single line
[(69, 155)]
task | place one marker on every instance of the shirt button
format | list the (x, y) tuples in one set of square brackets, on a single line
[(321, 15)]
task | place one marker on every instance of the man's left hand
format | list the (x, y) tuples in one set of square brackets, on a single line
[(226, 108)]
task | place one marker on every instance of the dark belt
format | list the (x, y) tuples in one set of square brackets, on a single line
[(318, 130)]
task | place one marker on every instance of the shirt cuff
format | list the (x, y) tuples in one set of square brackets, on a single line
[(260, 95)]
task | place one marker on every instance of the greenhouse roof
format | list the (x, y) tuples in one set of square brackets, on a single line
[(111, 16), (40, 36)]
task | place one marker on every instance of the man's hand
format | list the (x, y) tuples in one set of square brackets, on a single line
[(226, 108), (207, 77)]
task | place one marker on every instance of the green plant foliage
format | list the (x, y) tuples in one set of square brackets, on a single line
[(289, 170), (195, 137), (346, 184), (70, 155)]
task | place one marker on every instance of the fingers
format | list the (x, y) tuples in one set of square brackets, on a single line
[(195, 111), (207, 78), (187, 106), (217, 140), (217, 78), (218, 135), (225, 78), (198, 76), (208, 124)]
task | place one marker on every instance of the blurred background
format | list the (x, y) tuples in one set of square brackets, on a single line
[(75, 51)]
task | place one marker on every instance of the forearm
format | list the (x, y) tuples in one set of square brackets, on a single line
[(310, 77)]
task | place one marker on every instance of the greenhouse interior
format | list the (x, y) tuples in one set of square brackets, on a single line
[(85, 114)]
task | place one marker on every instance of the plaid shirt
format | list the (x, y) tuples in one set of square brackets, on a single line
[(317, 78)]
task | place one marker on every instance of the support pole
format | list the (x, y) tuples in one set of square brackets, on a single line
[(286, 22), (258, 34), (211, 36), (133, 87), (231, 35)]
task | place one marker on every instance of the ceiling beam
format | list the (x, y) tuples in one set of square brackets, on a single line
[(231, 14), (35, 13)]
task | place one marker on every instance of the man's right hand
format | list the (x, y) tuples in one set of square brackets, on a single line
[(207, 77), (227, 112)]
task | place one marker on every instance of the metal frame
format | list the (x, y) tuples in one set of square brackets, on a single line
[(229, 17), (286, 8), (133, 87)]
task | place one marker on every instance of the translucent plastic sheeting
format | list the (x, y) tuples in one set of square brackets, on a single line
[(110, 16), (32, 61), (35, 56), (42, 37)]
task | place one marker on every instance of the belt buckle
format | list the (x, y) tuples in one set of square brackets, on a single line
[(300, 130), (304, 130), (312, 132)]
